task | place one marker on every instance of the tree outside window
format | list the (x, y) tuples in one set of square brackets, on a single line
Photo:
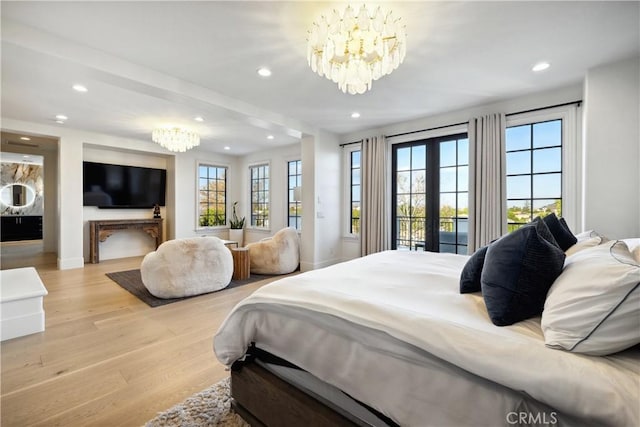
[(212, 195), (354, 198)]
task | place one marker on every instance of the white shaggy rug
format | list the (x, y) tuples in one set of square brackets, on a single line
[(210, 407)]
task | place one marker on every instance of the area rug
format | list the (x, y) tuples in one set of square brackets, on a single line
[(131, 280), (211, 407)]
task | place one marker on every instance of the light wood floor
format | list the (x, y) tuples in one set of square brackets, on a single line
[(106, 358)]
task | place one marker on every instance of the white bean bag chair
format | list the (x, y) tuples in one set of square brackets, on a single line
[(279, 254), (185, 267)]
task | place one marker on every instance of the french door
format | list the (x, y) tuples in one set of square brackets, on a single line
[(430, 194)]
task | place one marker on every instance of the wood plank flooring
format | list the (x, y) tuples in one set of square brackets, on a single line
[(106, 358)]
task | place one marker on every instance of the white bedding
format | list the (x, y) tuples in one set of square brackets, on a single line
[(392, 330)]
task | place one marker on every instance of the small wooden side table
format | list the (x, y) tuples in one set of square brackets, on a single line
[(229, 243), (241, 263)]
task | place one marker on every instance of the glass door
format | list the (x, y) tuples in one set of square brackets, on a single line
[(430, 194)]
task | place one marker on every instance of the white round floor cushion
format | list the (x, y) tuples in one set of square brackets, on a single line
[(185, 267)]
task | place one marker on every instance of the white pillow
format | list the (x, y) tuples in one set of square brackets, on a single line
[(590, 234), (593, 307), (634, 247), (633, 243), (583, 244)]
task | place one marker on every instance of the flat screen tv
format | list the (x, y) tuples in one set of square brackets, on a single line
[(118, 186)]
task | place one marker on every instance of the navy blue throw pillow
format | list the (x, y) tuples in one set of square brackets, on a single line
[(565, 225), (470, 276), (518, 271), (544, 231), (563, 236)]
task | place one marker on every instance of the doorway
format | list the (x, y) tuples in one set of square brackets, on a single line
[(430, 181), (28, 201)]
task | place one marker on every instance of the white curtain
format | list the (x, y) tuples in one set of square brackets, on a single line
[(487, 180), (375, 226)]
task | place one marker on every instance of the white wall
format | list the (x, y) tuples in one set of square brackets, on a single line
[(307, 237), (327, 200), (351, 246), (180, 214), (612, 149), (186, 201), (512, 105), (321, 181), (321, 205), (124, 243), (612, 156), (277, 159), (50, 223), (70, 214)]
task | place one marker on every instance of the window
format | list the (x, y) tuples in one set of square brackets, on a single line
[(260, 196), (294, 187), (354, 194), (454, 195), (212, 197), (534, 171), (430, 194)]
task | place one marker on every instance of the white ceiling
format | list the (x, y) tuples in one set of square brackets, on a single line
[(148, 64)]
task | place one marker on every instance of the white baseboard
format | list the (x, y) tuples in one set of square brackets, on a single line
[(307, 266), (22, 325), (69, 263)]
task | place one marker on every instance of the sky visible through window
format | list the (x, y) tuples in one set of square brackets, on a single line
[(454, 172), (533, 176), (534, 170)]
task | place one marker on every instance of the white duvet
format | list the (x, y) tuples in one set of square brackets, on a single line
[(392, 330)]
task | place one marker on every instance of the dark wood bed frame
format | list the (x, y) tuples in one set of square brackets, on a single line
[(264, 399)]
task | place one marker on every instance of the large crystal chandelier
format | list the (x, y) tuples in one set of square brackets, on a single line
[(353, 50), (175, 139)]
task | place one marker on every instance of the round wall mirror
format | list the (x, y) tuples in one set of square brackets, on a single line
[(17, 195)]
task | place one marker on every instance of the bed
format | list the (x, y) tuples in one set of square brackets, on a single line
[(388, 339)]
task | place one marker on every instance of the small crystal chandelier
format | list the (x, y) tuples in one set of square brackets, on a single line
[(175, 139), (353, 50)]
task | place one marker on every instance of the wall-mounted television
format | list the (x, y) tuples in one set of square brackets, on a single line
[(123, 187)]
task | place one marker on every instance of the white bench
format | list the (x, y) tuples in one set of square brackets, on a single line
[(21, 312)]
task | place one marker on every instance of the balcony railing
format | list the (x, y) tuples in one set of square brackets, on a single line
[(453, 232)]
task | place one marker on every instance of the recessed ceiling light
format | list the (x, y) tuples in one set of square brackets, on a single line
[(60, 121), (80, 88), (226, 147), (198, 119), (264, 71), (270, 136), (355, 115), (25, 138), (540, 66), (61, 117)]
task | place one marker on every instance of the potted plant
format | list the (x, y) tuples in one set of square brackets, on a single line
[(236, 226)]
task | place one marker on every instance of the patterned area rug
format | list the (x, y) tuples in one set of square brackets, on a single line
[(211, 407), (132, 282)]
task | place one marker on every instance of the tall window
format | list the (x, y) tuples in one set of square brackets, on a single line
[(430, 194), (212, 197), (354, 198), (294, 186), (454, 195), (534, 171), (260, 196)]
